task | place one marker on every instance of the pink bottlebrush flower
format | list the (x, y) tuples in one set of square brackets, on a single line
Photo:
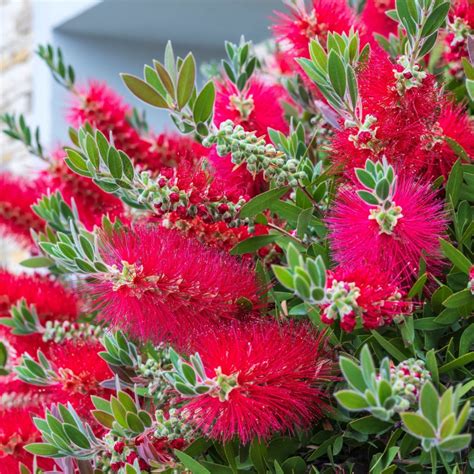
[(16, 216), (165, 285), (295, 29), (364, 294), (270, 379), (357, 240), (104, 109), (52, 300), (375, 19), (257, 108)]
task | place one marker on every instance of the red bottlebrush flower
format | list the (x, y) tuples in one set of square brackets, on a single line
[(295, 29), (460, 26), (366, 294), (17, 430), (165, 285), (103, 108), (402, 122), (91, 202), (375, 20), (52, 300), (268, 379), (16, 217), (357, 240), (257, 109)]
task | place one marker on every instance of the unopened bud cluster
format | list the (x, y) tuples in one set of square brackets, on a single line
[(342, 304), (407, 378), (59, 331), (365, 138), (171, 425), (259, 156), (411, 76)]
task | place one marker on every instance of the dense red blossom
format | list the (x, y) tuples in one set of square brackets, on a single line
[(296, 28), (16, 216), (81, 371), (408, 127), (257, 109), (281, 372), (51, 299), (375, 19), (379, 297), (166, 284), (103, 108), (356, 240), (17, 430)]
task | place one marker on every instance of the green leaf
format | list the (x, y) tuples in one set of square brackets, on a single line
[(186, 80), (418, 286), (351, 400), (455, 178), (457, 363), (76, 436), (294, 465), (367, 197), (144, 91), (418, 425), (202, 110), (284, 276), (165, 79), (41, 449), (253, 243), (262, 201), (370, 425), (382, 189), (365, 178), (36, 262), (459, 299), (190, 463), (104, 418), (429, 403), (455, 443), (389, 347), (352, 373), (435, 20), (337, 73), (135, 423)]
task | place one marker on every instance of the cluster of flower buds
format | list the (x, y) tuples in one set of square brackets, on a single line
[(259, 156), (407, 378), (410, 76), (171, 425), (342, 304), (59, 331), (456, 45), (165, 194), (365, 138)]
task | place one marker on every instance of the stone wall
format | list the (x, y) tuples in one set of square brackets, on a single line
[(16, 53)]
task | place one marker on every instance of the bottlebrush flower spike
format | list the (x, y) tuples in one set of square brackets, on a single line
[(363, 294), (256, 108), (165, 285), (296, 28), (265, 379), (375, 19), (103, 108), (16, 217), (16, 431), (80, 372), (52, 300), (357, 238)]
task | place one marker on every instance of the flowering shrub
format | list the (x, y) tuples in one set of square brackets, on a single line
[(283, 284)]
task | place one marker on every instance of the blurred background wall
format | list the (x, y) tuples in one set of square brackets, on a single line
[(102, 38)]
